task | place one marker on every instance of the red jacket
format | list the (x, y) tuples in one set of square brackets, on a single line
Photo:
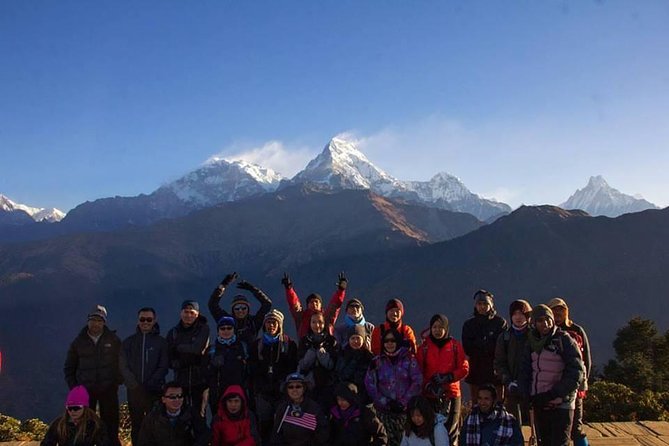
[(403, 329), (302, 316), (234, 432), (450, 358)]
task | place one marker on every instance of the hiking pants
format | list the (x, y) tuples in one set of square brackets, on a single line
[(553, 426)]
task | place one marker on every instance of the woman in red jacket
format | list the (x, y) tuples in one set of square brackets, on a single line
[(443, 362), (234, 425)]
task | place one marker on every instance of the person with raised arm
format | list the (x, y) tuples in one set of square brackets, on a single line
[(247, 326), (302, 315)]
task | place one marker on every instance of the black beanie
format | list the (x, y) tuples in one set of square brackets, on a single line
[(347, 391), (520, 305), (442, 318), (314, 296)]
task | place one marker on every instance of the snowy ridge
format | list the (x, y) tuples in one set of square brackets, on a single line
[(598, 198), (221, 180), (342, 165), (37, 214)]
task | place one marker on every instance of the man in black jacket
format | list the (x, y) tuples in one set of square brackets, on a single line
[(144, 365), (171, 423), (93, 361), (247, 326), (187, 343)]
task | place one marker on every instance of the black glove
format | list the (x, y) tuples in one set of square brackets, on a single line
[(540, 400), (228, 279), (395, 406), (244, 285), (342, 282), (285, 281)]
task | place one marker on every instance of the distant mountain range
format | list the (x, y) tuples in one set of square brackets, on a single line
[(12, 213), (433, 259), (598, 198)]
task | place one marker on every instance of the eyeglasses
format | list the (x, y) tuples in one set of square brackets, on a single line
[(389, 341), (74, 408), (174, 397), (240, 307), (146, 319), (294, 386), (226, 328)]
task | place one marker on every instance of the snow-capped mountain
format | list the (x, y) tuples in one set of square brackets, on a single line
[(20, 211), (342, 165), (222, 180), (216, 182), (598, 198)]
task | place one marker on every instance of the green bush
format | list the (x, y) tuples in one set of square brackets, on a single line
[(608, 401), (12, 429)]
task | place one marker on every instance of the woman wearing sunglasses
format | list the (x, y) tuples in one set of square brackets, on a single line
[(79, 425), (226, 362), (299, 420)]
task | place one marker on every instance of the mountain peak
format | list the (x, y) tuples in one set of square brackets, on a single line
[(37, 214), (599, 198)]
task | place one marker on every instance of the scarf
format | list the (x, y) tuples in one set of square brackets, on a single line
[(350, 322), (537, 342), (440, 342), (504, 431), (268, 339), (230, 341)]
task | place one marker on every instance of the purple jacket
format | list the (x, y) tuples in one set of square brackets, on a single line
[(398, 378)]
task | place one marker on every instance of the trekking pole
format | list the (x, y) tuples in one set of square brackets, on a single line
[(533, 430)]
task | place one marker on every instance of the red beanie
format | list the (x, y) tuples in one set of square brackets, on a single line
[(395, 303)]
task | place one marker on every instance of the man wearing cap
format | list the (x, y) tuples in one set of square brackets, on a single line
[(354, 316), (247, 326), (302, 316), (187, 343), (577, 332), (479, 338), (93, 361), (144, 365)]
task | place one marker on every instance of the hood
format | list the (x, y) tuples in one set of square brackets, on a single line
[(234, 389)]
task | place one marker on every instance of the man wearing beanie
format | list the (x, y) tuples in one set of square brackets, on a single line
[(550, 373), (273, 358), (577, 332), (302, 316), (187, 343), (247, 326), (93, 362), (394, 315), (479, 338), (508, 356), (354, 316)]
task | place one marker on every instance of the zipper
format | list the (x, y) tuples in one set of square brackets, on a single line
[(145, 355)]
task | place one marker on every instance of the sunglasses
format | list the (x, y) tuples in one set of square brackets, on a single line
[(240, 308), (174, 397), (226, 328), (295, 386), (74, 408), (146, 319)]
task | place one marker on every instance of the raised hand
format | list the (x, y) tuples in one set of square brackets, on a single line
[(285, 281), (229, 278), (342, 282)]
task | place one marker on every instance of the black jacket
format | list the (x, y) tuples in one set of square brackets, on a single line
[(99, 439), (246, 329), (479, 338), (157, 430), (360, 430), (187, 347), (145, 360), (352, 367), (95, 366), (226, 365), (270, 364), (288, 434)]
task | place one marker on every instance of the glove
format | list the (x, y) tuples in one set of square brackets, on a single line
[(342, 282), (395, 406), (244, 285), (512, 388), (228, 279), (443, 378), (285, 281), (540, 400)]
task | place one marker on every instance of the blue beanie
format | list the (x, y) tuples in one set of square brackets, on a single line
[(226, 321)]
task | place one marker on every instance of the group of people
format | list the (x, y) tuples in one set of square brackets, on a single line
[(345, 380)]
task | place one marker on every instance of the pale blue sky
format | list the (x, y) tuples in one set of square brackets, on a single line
[(523, 100)]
